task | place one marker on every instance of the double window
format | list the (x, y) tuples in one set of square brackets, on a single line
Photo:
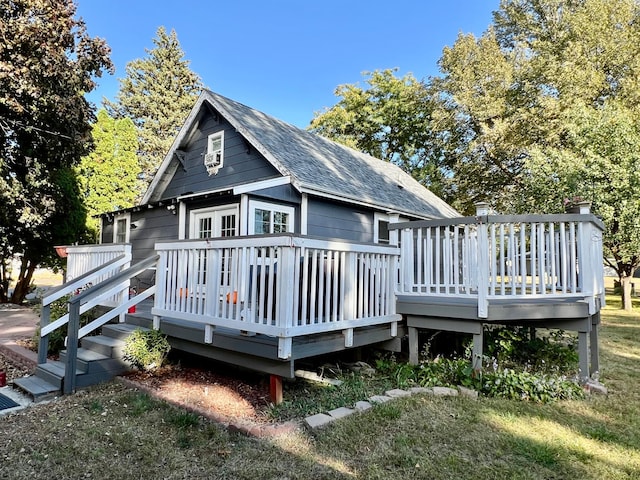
[(270, 218)]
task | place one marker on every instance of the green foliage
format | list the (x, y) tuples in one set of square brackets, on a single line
[(146, 349), (521, 366), (108, 175), (390, 120), (157, 94), (48, 64)]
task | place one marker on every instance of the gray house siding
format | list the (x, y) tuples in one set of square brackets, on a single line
[(241, 164), (334, 220)]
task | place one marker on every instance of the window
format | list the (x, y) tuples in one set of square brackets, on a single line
[(121, 227), (214, 158), (270, 218)]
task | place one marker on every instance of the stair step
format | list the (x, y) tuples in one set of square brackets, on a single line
[(37, 388), (120, 330), (90, 361), (53, 372), (108, 346)]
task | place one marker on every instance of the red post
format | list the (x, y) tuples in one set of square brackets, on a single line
[(3, 378), (275, 389)]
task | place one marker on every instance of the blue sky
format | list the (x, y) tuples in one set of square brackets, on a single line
[(286, 57)]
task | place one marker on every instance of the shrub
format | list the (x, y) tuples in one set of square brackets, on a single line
[(146, 349)]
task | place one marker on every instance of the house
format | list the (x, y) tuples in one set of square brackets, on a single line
[(262, 244), (234, 171)]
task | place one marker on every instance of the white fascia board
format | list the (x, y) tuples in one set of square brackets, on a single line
[(342, 198), (261, 185), (202, 194)]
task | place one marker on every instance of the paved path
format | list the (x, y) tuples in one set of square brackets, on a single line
[(16, 322)]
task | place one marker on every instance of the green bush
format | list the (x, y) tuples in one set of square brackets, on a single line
[(146, 349)]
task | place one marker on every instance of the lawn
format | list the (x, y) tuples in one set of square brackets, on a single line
[(114, 432)]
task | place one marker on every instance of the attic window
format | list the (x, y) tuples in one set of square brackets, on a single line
[(214, 157)]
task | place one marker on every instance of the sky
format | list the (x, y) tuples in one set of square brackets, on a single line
[(285, 57)]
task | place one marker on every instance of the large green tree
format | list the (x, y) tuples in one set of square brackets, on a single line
[(390, 119), (157, 94), (545, 106), (47, 63), (108, 175)]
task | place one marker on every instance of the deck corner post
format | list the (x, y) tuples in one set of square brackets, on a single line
[(348, 337), (43, 346), (593, 343), (284, 347), (483, 264), (208, 334)]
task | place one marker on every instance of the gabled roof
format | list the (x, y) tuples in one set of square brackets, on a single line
[(315, 164)]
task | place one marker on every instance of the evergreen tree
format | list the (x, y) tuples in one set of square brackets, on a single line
[(108, 175), (47, 63), (157, 94)]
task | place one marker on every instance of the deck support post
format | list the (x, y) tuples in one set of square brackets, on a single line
[(275, 389), (583, 355), (476, 360), (593, 344), (156, 322), (413, 346)]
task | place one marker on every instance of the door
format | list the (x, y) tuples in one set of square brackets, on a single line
[(210, 223)]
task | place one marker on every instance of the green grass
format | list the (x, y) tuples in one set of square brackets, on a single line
[(114, 432)]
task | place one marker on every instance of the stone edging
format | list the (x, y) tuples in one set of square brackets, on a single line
[(322, 419)]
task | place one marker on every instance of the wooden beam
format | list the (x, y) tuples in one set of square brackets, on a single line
[(275, 389)]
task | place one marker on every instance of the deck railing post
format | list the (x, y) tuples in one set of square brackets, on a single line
[(43, 347), (482, 210), (285, 289), (586, 262), (69, 383), (407, 260)]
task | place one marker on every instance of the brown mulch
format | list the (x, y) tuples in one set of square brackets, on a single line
[(232, 396), (12, 369)]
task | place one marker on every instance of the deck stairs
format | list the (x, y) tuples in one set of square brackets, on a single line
[(99, 360)]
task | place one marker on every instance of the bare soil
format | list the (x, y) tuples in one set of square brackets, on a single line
[(233, 395)]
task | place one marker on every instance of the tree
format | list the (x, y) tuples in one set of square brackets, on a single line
[(108, 175), (157, 94), (545, 106), (390, 120), (47, 63)]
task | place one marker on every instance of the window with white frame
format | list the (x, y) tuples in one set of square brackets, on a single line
[(214, 158), (214, 222), (267, 217), (121, 228)]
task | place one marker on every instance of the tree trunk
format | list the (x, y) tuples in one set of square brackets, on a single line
[(24, 281), (625, 292)]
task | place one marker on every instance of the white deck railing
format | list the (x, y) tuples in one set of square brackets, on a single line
[(282, 286), (491, 256)]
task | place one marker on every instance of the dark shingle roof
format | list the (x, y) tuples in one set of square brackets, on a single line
[(319, 165)]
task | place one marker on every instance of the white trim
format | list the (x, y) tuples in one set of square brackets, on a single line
[(261, 185), (182, 220), (341, 198), (202, 194), (121, 216), (304, 214), (213, 168), (272, 207), (244, 214), (193, 214)]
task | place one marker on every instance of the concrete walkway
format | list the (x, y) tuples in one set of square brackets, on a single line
[(17, 323)]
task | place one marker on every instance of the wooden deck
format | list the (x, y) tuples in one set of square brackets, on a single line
[(265, 302), (259, 352)]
